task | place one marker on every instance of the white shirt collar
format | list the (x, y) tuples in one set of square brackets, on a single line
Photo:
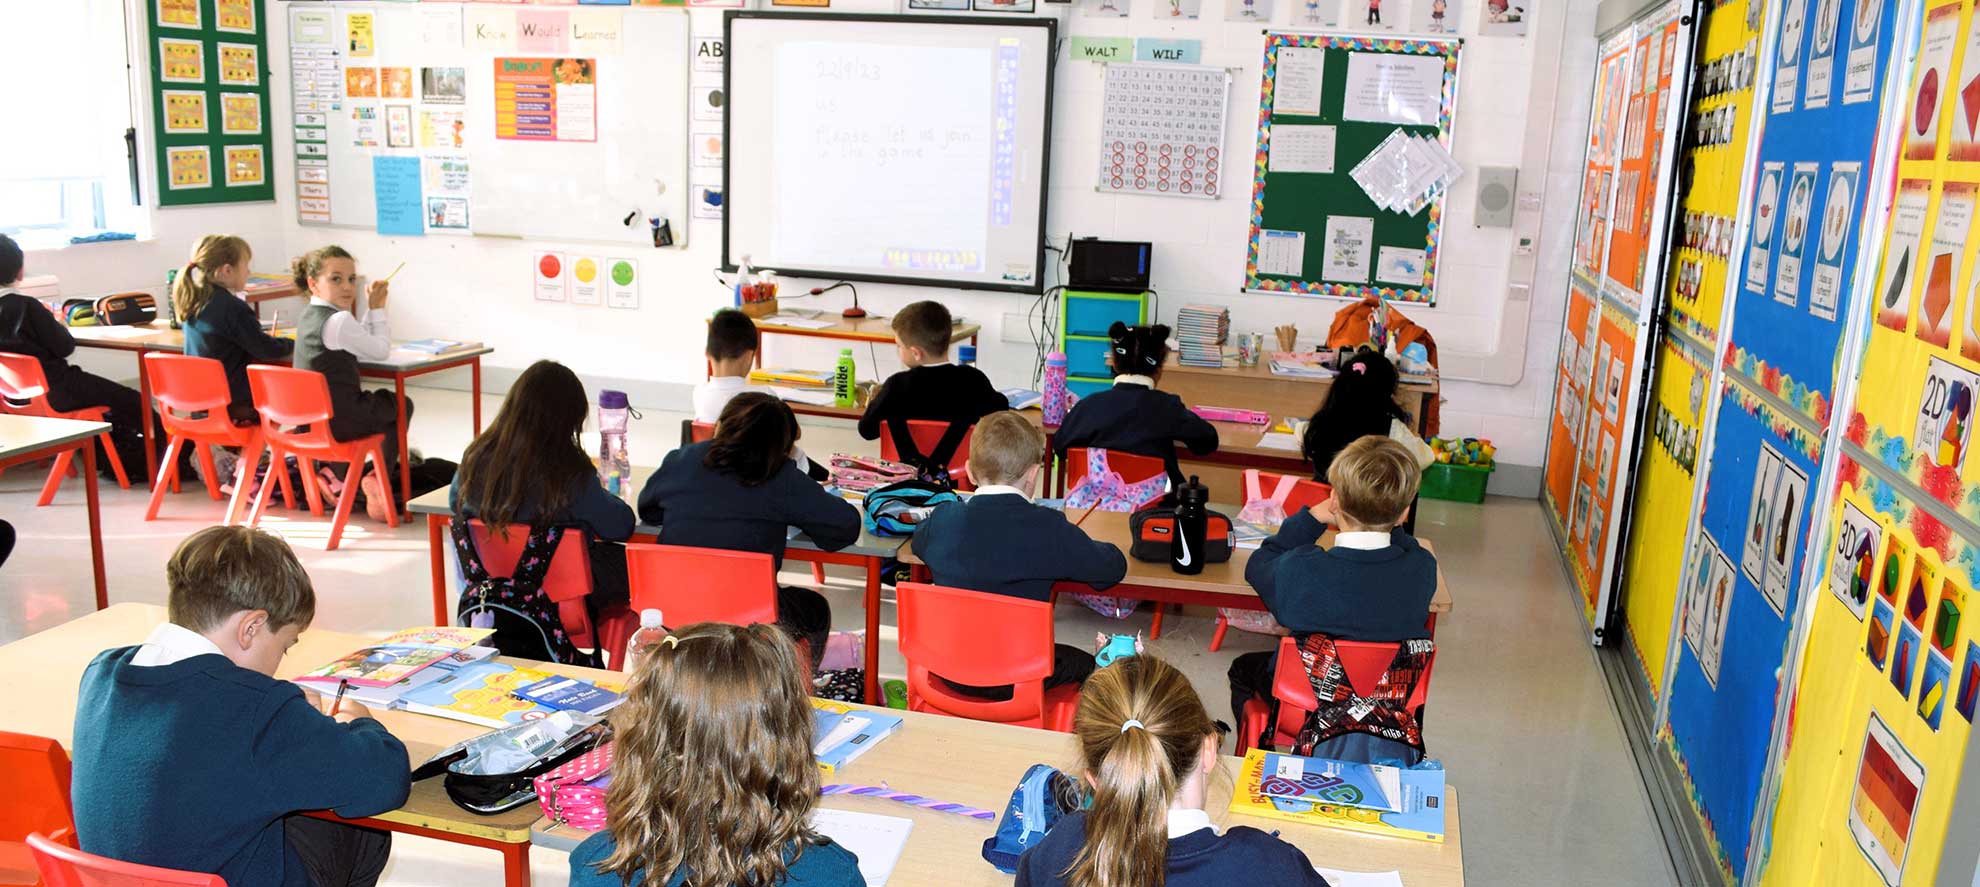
[(171, 642), (1368, 540), (8, 291), (1183, 822), (1000, 489), (1133, 379), (939, 364), (314, 301), (727, 383)]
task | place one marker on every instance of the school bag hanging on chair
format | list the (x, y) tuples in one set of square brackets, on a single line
[(1265, 511), (524, 618), (1105, 489)]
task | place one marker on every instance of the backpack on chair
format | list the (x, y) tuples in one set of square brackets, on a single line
[(524, 618)]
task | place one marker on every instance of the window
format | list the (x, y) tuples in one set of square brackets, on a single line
[(64, 162)]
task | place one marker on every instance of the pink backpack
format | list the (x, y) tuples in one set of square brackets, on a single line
[(1267, 511), (1104, 488), (574, 793)]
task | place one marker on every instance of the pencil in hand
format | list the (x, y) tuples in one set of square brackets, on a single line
[(339, 701)]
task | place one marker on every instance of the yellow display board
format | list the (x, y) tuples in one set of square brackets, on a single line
[(1695, 290)]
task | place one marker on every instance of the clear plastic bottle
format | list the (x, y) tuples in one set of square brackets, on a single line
[(614, 466), (1055, 405), (651, 629)]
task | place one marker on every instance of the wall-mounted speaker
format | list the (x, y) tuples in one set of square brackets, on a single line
[(1495, 197)]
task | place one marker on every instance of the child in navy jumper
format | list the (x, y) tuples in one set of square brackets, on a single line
[(1146, 746), (1000, 542), (218, 324), (732, 344), (740, 491), (193, 721), (931, 387), (1374, 584), (1133, 417)]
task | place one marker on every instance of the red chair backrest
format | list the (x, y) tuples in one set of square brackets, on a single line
[(288, 397), (975, 638), (927, 434), (1131, 468), (21, 379), (184, 385), (68, 867), (568, 581), (1364, 662), (1305, 493), (37, 786), (690, 585), (696, 432)]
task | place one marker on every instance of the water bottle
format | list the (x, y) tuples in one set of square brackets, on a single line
[(651, 630), (1055, 389), (843, 382), (966, 355), (1192, 524), (614, 467)]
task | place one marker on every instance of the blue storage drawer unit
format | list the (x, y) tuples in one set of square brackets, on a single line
[(1090, 314), (1084, 387), (1087, 357)]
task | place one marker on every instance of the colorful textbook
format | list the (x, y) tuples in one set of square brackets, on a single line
[(1420, 801), (398, 657), (841, 733), (482, 693), (1326, 781)]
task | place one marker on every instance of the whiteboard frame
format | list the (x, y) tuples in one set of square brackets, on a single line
[(1051, 26)]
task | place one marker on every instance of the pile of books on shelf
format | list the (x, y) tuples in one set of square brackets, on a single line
[(1200, 334)]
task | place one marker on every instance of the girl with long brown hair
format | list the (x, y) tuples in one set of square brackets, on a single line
[(1148, 748), (218, 323), (740, 491), (529, 468), (713, 782)]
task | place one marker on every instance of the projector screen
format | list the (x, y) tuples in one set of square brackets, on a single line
[(906, 149)]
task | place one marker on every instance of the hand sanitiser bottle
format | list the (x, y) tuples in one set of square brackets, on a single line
[(1192, 524)]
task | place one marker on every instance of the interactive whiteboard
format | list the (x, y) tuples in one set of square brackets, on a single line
[(910, 149)]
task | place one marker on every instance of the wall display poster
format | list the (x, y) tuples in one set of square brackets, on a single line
[(209, 102), (1162, 130), (546, 99)]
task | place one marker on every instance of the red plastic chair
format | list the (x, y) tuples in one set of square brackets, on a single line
[(24, 392), (68, 867), (1132, 469), (927, 433), (37, 802), (985, 640), (1305, 494), (567, 584), (183, 386), (693, 432), (1364, 662), (692, 585), (289, 398)]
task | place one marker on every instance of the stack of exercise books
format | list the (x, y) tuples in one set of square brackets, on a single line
[(1360, 797), (792, 378), (1200, 334), (1302, 364), (445, 673)]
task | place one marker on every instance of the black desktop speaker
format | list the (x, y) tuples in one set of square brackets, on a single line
[(1113, 266)]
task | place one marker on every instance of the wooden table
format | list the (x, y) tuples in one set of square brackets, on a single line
[(39, 676), (399, 366), (1219, 585), (870, 552), (1257, 388), (862, 329), (31, 438), (978, 764)]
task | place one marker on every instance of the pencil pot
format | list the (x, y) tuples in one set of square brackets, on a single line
[(1455, 483)]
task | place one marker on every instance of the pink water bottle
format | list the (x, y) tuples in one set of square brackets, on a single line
[(1055, 388)]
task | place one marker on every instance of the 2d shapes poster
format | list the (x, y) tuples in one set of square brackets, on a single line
[(1889, 780), (1948, 247), (1928, 83), (1901, 257)]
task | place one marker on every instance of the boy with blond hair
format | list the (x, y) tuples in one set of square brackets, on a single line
[(1001, 542), (190, 755), (1374, 584)]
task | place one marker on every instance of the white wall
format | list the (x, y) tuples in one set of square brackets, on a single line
[(480, 288)]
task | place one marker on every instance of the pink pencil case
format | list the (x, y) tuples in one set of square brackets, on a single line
[(1232, 414)]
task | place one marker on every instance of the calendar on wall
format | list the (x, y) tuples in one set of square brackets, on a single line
[(1162, 130)]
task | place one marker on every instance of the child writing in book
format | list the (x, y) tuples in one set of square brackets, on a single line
[(27, 327), (190, 755), (331, 339), (932, 387), (1133, 417), (529, 468), (713, 781), (740, 491), (218, 324), (1147, 749), (732, 344), (1374, 584), (1000, 542), (1361, 401)]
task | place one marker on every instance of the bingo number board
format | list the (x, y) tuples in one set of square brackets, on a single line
[(1162, 130)]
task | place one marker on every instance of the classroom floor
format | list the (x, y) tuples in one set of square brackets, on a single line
[(1518, 712)]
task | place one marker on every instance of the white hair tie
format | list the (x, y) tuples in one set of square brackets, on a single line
[(1131, 722)]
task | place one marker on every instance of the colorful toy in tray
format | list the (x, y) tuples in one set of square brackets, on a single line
[(1469, 451)]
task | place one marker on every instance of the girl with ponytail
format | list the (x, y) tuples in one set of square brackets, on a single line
[(218, 323), (1148, 748), (1132, 416)]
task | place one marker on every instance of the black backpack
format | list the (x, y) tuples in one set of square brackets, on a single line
[(524, 618)]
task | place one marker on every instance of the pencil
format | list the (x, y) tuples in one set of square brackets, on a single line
[(1089, 513), (395, 272), (339, 701)]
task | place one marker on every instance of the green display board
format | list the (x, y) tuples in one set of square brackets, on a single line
[(209, 101), (1314, 230)]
